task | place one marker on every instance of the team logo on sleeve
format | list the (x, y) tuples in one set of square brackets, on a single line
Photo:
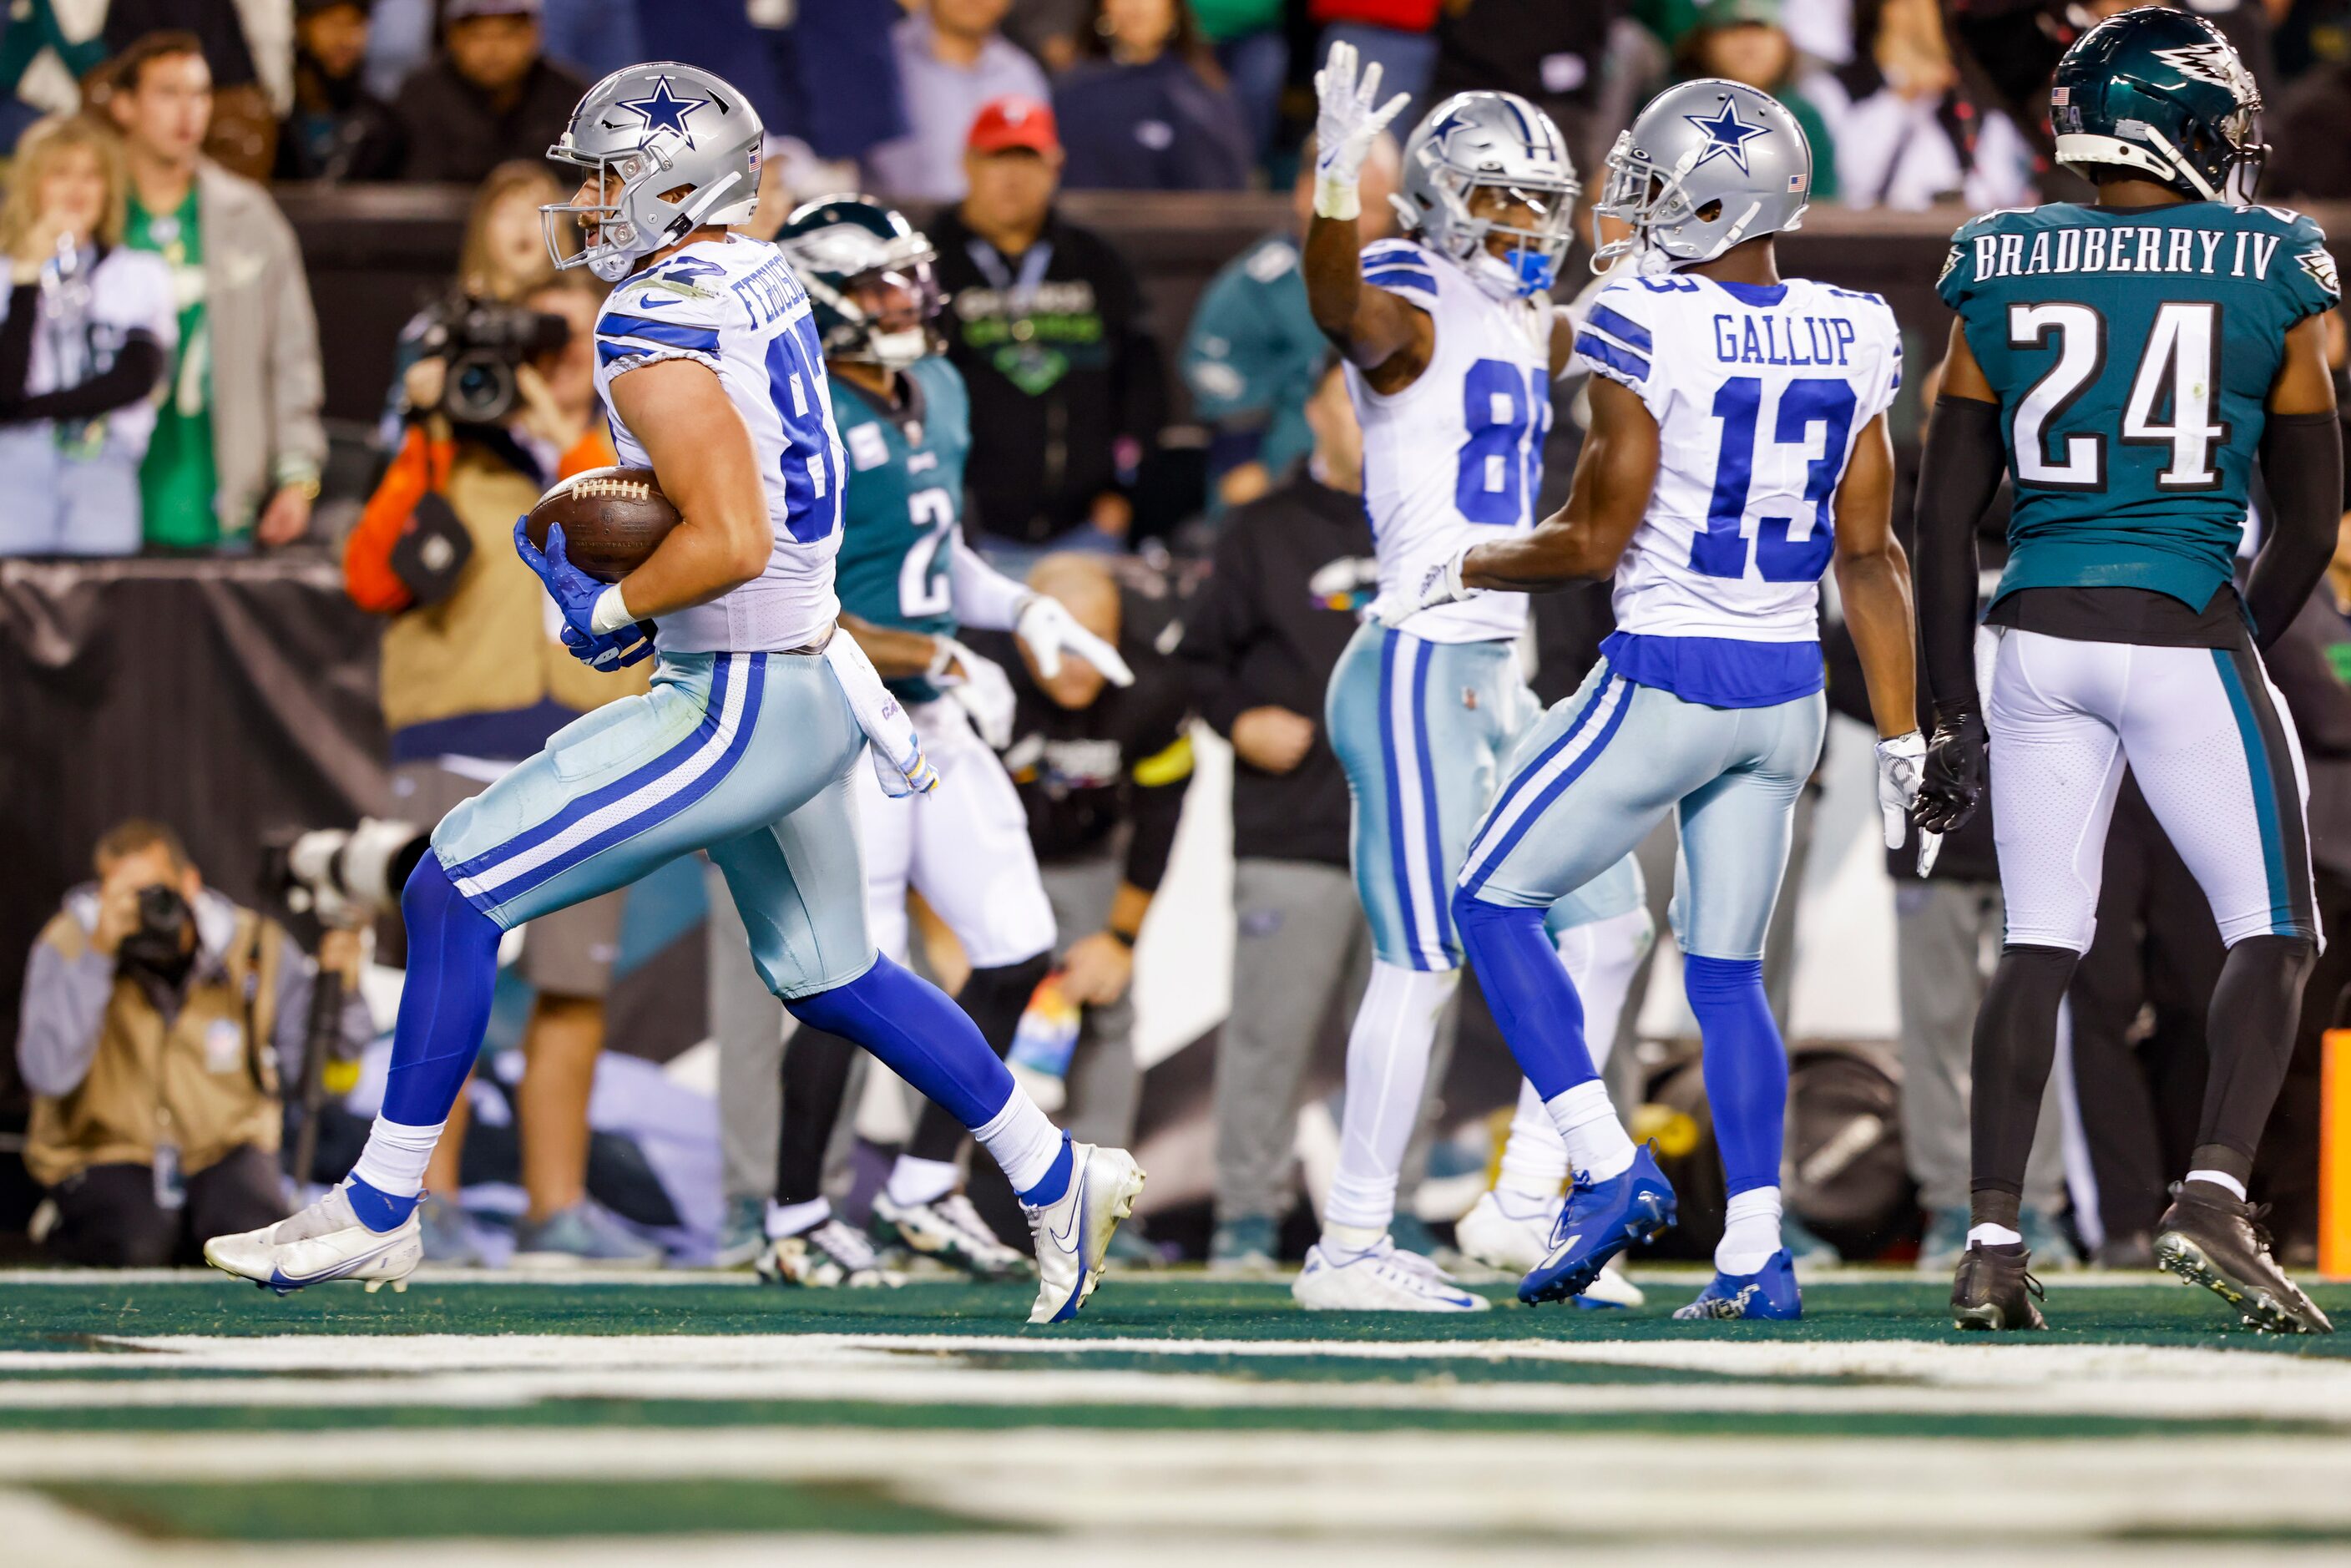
[(2320, 263), (1951, 263)]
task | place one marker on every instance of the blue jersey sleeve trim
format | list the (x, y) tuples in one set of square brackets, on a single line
[(1717, 671), (669, 334), (1403, 277), (1607, 356), (1630, 333)]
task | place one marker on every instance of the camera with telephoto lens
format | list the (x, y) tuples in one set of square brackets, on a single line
[(485, 342), (158, 944), (343, 876)]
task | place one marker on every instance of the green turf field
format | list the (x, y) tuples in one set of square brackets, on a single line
[(179, 1418)]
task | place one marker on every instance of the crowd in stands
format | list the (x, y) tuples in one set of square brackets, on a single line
[(161, 390)]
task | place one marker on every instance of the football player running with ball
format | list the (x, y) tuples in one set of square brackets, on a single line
[(1450, 346), (908, 582), (709, 358), (2126, 362), (1739, 449)]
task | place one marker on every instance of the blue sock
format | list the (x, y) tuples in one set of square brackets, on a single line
[(914, 1029), (1528, 991), (1746, 1067), (453, 967), (1055, 1181), (379, 1210)]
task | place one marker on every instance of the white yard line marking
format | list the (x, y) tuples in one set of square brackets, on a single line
[(1341, 1484), (1889, 1377)]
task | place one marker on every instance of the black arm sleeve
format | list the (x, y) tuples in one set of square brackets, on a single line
[(16, 344), (131, 377), (1957, 477), (2302, 458)]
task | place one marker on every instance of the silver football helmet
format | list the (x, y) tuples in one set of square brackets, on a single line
[(648, 134), (1708, 165), (1500, 142)]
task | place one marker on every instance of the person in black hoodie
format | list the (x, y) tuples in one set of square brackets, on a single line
[(488, 96), (1046, 322), (336, 129), (1292, 574)]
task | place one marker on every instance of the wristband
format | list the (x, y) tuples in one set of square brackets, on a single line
[(1337, 199), (611, 614), (1124, 939)]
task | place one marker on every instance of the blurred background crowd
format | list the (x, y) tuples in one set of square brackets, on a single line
[(283, 354)]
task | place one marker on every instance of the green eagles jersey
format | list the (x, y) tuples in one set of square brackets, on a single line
[(904, 506), (2133, 352)]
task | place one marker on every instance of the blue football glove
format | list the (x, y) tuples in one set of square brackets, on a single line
[(575, 594)]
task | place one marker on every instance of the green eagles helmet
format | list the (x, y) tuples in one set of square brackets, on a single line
[(2161, 93), (869, 279)]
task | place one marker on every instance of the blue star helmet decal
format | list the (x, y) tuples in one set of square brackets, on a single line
[(664, 110), (1446, 127), (1726, 135)]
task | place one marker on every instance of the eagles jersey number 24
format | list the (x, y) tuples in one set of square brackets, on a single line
[(2133, 354)]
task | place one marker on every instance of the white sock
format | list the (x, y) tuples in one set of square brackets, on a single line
[(796, 1219), (1022, 1139), (394, 1159), (1993, 1236), (1750, 1231), (1388, 1069), (1345, 1240), (1602, 958), (1596, 1143), (2222, 1180), (1534, 1158), (914, 1181)]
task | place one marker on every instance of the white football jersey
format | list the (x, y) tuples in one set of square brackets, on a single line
[(1457, 457), (1758, 392), (83, 324), (734, 305)]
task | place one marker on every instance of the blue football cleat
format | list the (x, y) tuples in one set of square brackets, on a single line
[(1768, 1293), (1601, 1219)]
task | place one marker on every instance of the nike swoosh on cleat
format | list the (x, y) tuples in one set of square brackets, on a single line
[(1078, 1290), (281, 1281), (1077, 1211)]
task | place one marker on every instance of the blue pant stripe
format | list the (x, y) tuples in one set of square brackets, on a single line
[(487, 890), (1518, 781), (1486, 862), (619, 789), (1431, 824), (1389, 643)]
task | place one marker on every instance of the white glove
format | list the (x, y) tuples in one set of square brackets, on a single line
[(1048, 629), (1440, 584), (1345, 126), (980, 685), (1900, 763)]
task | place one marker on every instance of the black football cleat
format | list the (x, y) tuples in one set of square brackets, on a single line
[(1992, 1290), (2209, 1238)]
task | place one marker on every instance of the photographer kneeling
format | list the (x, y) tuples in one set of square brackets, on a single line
[(503, 404), (157, 1015)]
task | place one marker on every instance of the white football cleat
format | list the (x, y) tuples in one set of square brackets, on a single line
[(325, 1241), (949, 1232), (1073, 1232), (826, 1256), (1386, 1279), (1516, 1243)]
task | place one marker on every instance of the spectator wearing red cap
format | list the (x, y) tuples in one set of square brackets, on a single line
[(950, 62), (1146, 107), (1046, 322)]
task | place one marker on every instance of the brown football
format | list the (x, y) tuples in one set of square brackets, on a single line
[(612, 518)]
